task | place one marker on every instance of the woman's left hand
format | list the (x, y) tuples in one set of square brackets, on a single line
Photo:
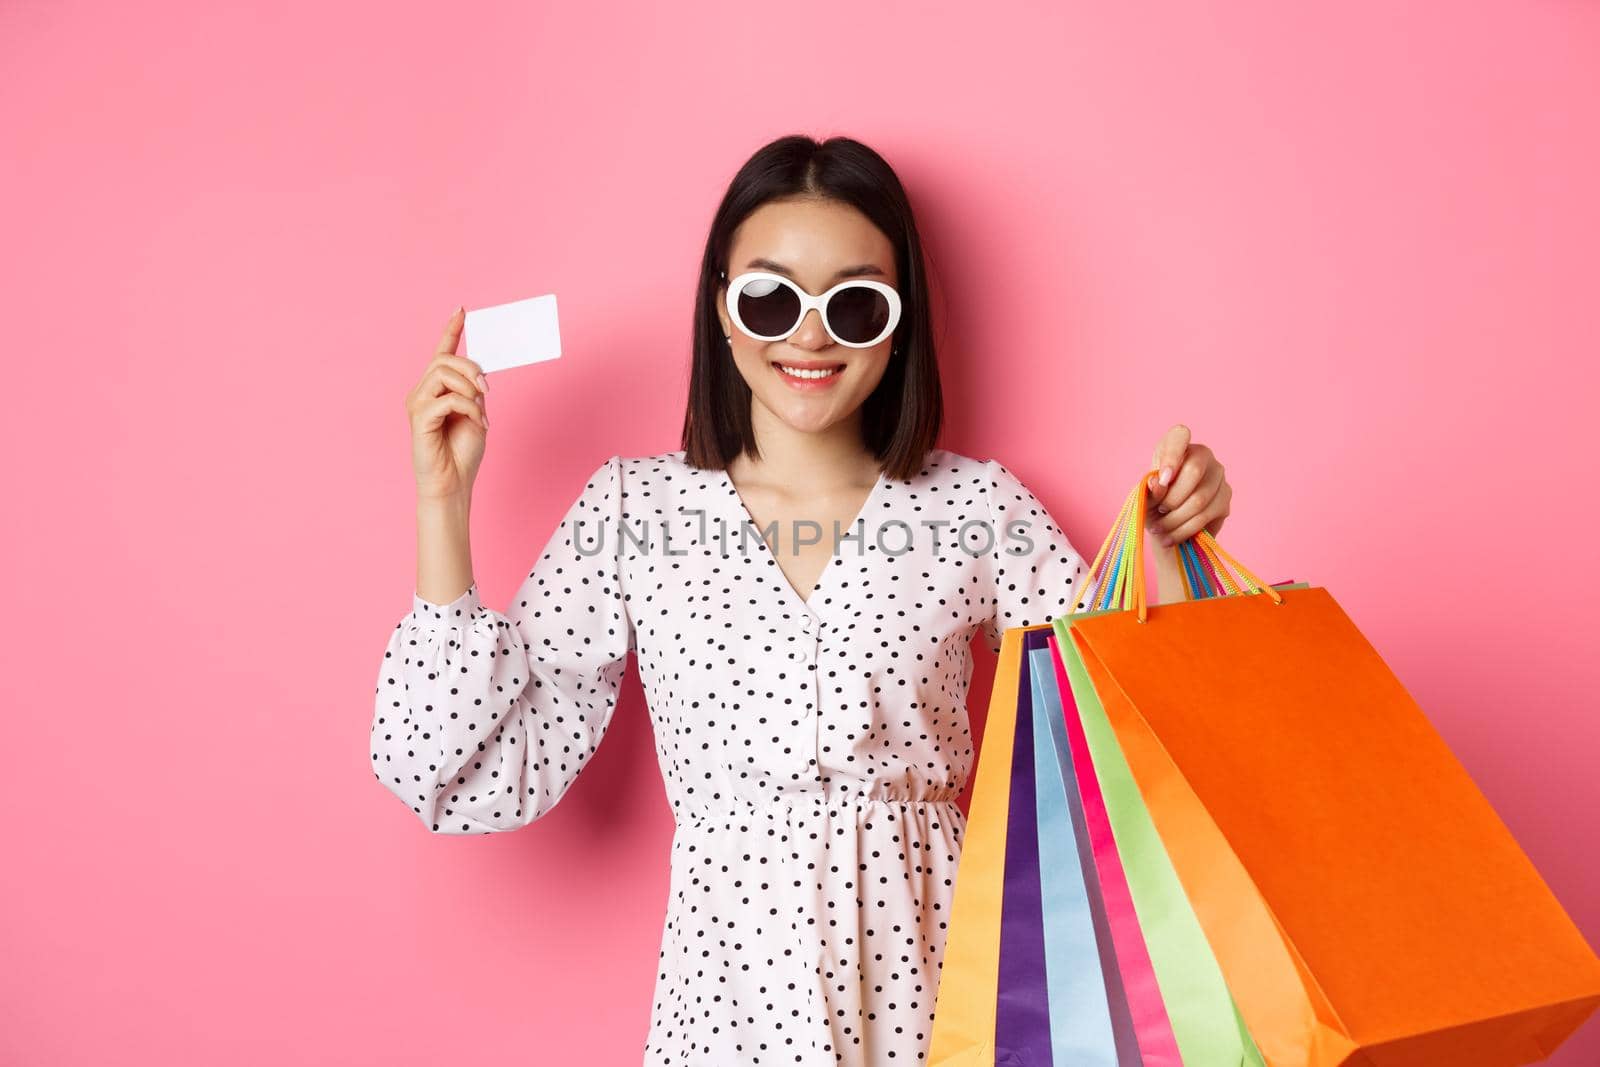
[(1190, 494)]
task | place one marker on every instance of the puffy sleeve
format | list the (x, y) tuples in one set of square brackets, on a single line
[(483, 719), (1033, 570)]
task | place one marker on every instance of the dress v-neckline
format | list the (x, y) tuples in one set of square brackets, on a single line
[(833, 559)]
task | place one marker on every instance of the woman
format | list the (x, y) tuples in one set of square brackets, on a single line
[(806, 687)]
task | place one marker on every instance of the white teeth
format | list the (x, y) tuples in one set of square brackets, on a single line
[(798, 372)]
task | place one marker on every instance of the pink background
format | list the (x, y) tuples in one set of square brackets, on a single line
[(1352, 248)]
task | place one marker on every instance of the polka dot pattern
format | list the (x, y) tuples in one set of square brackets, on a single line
[(811, 749)]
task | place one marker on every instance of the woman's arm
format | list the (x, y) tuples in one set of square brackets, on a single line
[(444, 547), (1035, 585), (483, 718)]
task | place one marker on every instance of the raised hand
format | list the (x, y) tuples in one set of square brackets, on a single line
[(1191, 492), (449, 423)]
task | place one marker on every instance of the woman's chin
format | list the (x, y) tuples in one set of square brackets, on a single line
[(806, 415)]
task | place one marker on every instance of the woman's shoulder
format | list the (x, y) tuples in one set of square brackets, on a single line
[(986, 479), (642, 466), (945, 466), (649, 475), (944, 460), (668, 463)]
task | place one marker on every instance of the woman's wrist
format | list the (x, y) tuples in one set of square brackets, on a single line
[(1169, 574), (453, 505)]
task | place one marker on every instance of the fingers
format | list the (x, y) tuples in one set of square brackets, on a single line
[(1209, 518), (446, 352), (452, 333), (1169, 454), (465, 369), (448, 374), (447, 378), (1197, 480), (1197, 485), (463, 366), (1189, 472), (442, 378), (433, 412)]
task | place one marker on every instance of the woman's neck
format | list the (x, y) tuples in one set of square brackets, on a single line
[(805, 462)]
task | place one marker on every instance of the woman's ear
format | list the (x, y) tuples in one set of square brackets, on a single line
[(722, 308)]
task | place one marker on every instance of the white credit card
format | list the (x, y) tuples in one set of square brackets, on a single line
[(509, 335)]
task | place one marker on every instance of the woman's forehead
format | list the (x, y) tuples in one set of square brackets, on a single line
[(814, 239)]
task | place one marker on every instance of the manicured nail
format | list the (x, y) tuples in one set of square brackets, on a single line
[(1166, 475)]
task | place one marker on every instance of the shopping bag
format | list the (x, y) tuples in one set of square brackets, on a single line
[(1136, 978), (1206, 1023), (1081, 958), (994, 1002), (978, 980), (1022, 1001), (1058, 1002), (1366, 903), (1200, 1013)]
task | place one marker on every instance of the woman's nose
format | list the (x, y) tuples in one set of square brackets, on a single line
[(812, 334)]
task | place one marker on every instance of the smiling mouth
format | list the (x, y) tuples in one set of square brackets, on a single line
[(809, 374)]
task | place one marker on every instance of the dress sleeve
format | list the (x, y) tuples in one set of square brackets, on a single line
[(483, 719), (1035, 572)]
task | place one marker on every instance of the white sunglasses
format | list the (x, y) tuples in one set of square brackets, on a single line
[(857, 313)]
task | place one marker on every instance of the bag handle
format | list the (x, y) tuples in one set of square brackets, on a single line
[(1202, 562)]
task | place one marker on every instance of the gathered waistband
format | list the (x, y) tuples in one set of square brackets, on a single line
[(818, 804)]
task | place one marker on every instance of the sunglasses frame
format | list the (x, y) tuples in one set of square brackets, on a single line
[(807, 302)]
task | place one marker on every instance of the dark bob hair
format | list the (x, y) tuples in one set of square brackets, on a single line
[(901, 417)]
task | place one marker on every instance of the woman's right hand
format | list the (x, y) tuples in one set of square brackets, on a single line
[(449, 425)]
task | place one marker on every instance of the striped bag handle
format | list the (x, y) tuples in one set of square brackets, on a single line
[(1117, 574)]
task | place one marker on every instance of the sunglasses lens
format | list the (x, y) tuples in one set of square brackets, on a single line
[(858, 314), (768, 308)]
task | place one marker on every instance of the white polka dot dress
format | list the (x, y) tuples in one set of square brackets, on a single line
[(812, 750)]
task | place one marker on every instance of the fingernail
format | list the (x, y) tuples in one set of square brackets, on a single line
[(1166, 542), (460, 308), (483, 383), (1166, 475), (1162, 508)]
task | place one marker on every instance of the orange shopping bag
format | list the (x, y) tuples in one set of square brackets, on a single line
[(1365, 901)]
